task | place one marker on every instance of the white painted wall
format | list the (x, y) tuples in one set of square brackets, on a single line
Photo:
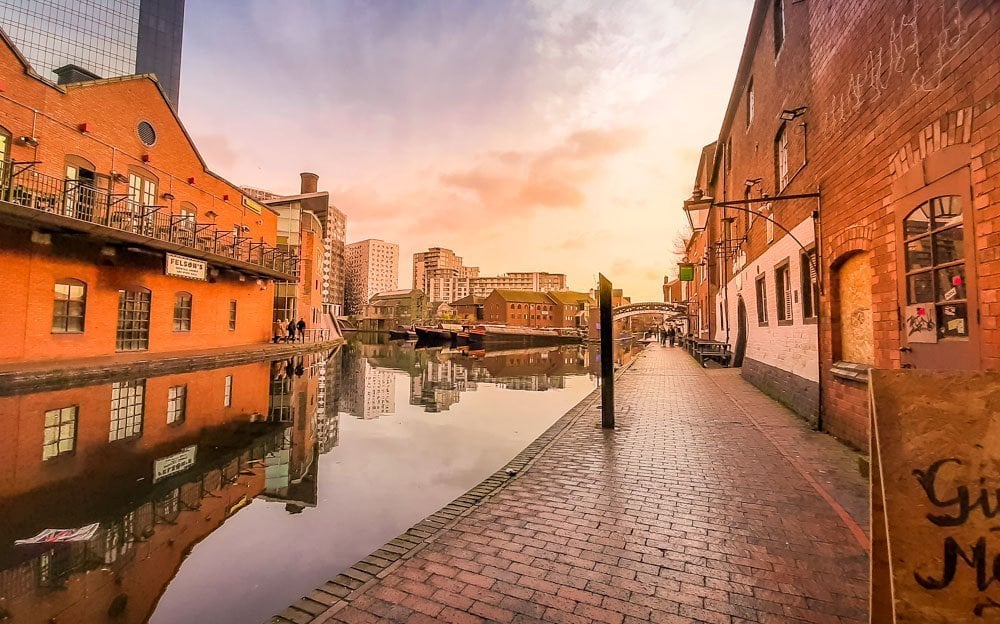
[(788, 347)]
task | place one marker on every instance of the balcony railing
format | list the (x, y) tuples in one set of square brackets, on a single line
[(75, 199)]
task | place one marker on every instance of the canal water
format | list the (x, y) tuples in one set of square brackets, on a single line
[(224, 495)]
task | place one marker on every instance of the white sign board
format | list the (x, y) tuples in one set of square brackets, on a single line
[(188, 268), (172, 464), (53, 536)]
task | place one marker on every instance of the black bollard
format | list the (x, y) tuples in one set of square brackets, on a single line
[(607, 356)]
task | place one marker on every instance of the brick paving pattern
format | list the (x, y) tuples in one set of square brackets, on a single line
[(693, 510)]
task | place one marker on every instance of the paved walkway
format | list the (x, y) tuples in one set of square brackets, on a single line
[(694, 510)]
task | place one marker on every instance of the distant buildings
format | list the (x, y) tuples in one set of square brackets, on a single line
[(396, 307), (80, 40), (443, 276), (525, 308), (372, 267), (440, 274), (303, 218), (535, 281)]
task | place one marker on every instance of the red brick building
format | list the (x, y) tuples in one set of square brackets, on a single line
[(887, 110), (519, 308), (117, 237), (572, 308)]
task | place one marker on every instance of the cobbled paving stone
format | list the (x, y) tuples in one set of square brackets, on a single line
[(690, 511)]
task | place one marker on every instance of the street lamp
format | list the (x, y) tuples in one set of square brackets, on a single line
[(697, 209)]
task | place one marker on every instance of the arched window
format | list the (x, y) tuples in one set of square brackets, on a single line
[(142, 187), (69, 306), (182, 312), (934, 239)]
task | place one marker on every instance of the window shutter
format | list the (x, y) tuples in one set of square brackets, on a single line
[(787, 286)]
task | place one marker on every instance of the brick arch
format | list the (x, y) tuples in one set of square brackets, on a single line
[(852, 239)]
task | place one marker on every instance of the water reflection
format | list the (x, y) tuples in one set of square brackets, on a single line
[(167, 468), (437, 377)]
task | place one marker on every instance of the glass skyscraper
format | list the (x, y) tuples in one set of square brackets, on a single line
[(105, 37)]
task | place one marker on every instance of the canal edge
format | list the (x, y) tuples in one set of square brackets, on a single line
[(319, 606)]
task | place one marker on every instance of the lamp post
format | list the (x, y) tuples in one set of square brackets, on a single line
[(698, 208)]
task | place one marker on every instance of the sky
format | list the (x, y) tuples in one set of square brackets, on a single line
[(526, 135)]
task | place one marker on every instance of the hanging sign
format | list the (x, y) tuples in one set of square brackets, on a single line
[(935, 492), (685, 272), (172, 464), (188, 268)]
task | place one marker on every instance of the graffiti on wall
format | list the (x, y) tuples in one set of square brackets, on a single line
[(919, 53)]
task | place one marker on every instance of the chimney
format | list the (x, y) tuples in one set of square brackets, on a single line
[(310, 182), (68, 74)]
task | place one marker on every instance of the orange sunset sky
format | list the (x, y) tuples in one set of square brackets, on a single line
[(525, 135)]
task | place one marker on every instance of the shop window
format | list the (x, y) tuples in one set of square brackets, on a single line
[(853, 334), (176, 404), (761, 291), (935, 264), (60, 432), (69, 306), (810, 285), (128, 408), (182, 312), (783, 294), (232, 314)]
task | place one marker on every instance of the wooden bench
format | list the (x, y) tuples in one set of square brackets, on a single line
[(713, 350)]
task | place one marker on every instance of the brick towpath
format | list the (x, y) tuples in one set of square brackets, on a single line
[(707, 504)]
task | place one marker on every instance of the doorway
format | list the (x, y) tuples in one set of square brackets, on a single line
[(741, 334)]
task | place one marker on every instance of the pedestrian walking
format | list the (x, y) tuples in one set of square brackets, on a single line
[(291, 330), (301, 326), (278, 329), (672, 335), (663, 336)]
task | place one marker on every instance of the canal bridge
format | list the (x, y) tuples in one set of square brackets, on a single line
[(672, 310)]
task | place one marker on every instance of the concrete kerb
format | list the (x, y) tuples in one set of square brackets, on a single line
[(22, 382), (319, 606)]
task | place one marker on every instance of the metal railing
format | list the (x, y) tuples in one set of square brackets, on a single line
[(75, 199)]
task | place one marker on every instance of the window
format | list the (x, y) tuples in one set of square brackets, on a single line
[(133, 320), (182, 312), (227, 399), (810, 285), (128, 407), (769, 221), (60, 432), (935, 264), (761, 300), (781, 157), (728, 156), (232, 314), (779, 25), (142, 188), (176, 404), (750, 102), (69, 305), (783, 293)]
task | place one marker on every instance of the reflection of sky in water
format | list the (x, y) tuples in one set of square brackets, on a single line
[(386, 474)]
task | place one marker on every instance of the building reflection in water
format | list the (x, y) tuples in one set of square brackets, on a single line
[(437, 377), (158, 464)]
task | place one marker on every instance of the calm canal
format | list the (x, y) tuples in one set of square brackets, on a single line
[(223, 495)]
